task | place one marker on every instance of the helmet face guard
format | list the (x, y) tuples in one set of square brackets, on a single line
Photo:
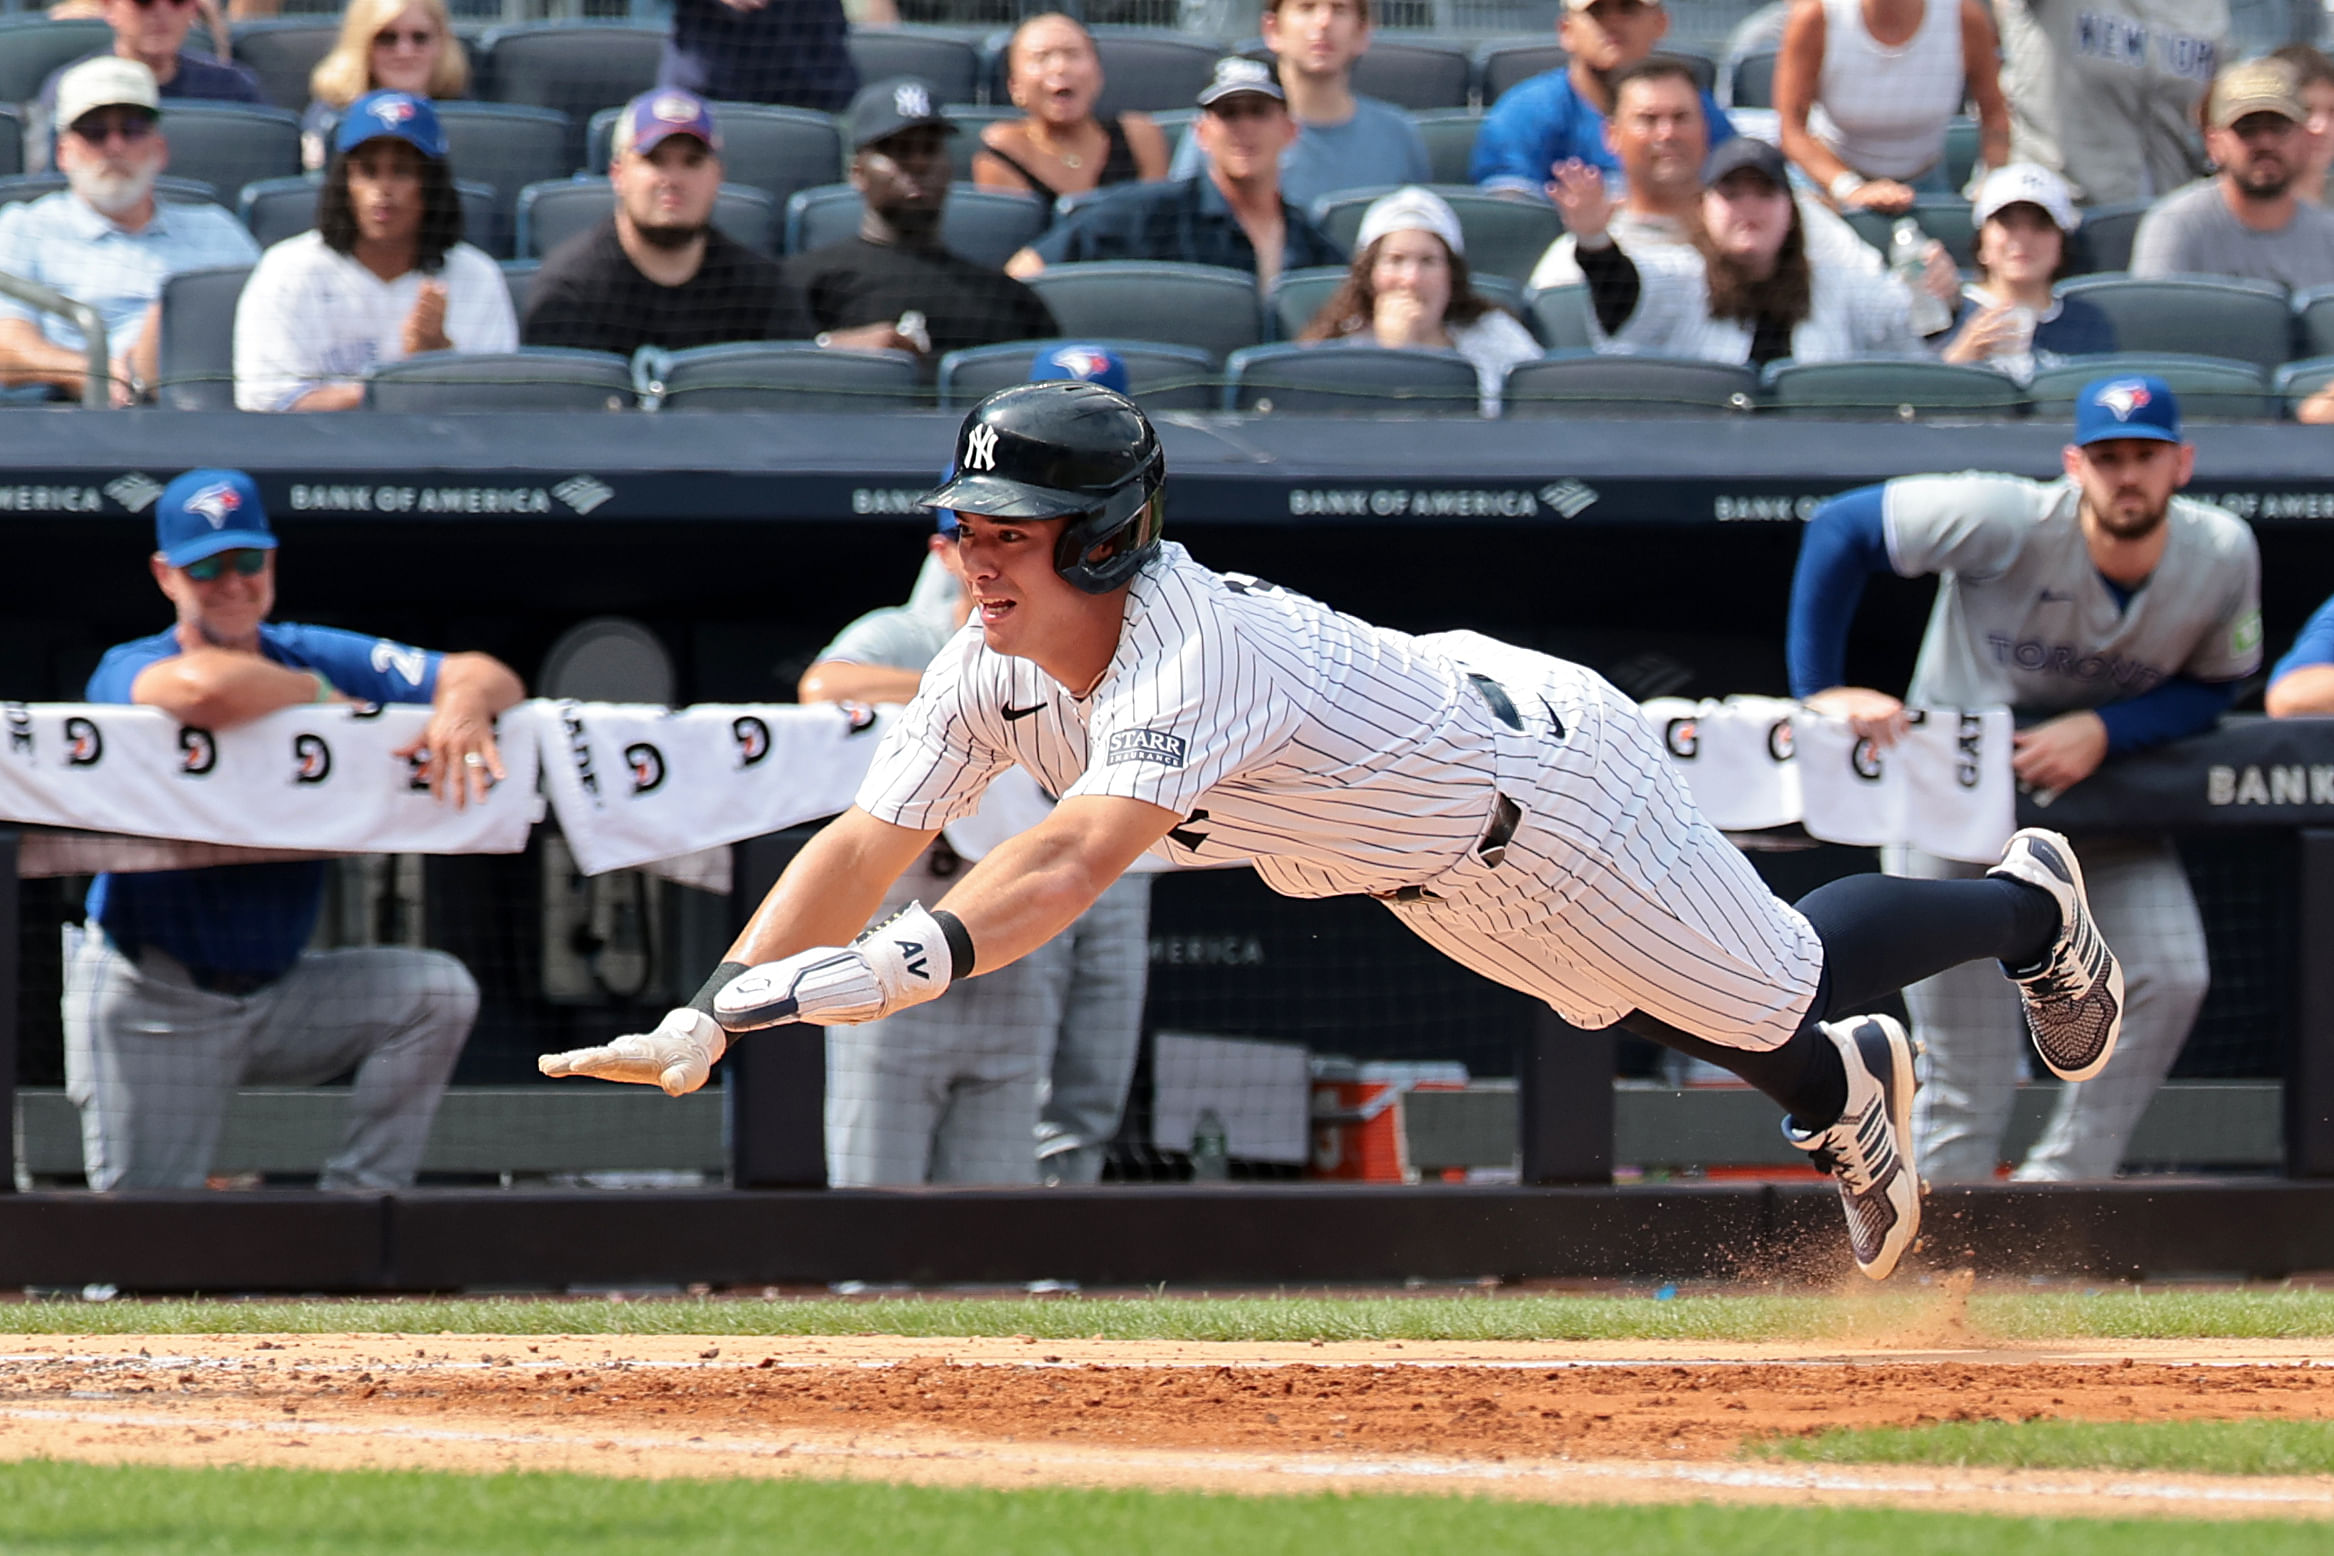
[(1104, 549)]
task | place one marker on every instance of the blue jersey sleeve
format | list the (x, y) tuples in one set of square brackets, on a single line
[(1522, 136), (118, 671), (1845, 543), (2315, 646), (369, 669), (2171, 710)]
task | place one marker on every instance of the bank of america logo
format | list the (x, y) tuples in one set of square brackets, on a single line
[(135, 491), (582, 493), (1571, 499)]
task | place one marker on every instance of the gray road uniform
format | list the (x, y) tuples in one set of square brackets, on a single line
[(2105, 91), (2024, 619)]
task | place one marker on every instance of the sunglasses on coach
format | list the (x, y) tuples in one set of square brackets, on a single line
[(247, 564)]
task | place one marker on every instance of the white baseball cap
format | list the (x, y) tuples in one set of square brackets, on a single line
[(1408, 210), (107, 81), (2022, 183)]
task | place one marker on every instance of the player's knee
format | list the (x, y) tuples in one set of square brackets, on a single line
[(448, 997)]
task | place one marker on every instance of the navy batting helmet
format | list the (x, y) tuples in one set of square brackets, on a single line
[(1067, 449)]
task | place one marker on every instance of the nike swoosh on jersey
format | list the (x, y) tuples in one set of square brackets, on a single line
[(1022, 713)]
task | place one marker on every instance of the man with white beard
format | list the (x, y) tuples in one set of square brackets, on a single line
[(104, 240)]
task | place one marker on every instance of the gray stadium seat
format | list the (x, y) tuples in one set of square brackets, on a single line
[(1961, 140), (2314, 322), (1751, 83), (2103, 242), (31, 46), (1162, 377), (11, 140), (1297, 295), (1590, 384), (1505, 63), (1131, 299), (776, 150), (228, 145), (519, 276), (542, 379), (790, 376), (283, 51), (1946, 218), (506, 147), (2209, 316), (278, 208), (2297, 381), (1504, 237), (1415, 72), (2209, 388), (196, 346), (550, 213), (949, 60), (571, 68), (1345, 379), (1910, 390), (1450, 141), (1559, 317), (986, 226)]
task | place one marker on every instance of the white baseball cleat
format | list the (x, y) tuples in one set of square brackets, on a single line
[(1870, 1148), (2074, 996)]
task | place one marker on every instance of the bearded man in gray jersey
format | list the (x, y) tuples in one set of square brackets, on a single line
[(2110, 616), (1513, 810)]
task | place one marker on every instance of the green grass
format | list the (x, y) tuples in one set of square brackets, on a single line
[(2251, 1447), (2014, 1315), (100, 1510)]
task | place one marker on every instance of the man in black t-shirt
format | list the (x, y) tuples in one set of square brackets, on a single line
[(895, 286), (659, 273)]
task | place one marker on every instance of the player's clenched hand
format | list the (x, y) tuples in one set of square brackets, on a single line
[(1873, 715), (678, 1055), (2059, 753), (902, 961)]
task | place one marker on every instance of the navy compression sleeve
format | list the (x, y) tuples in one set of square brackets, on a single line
[(1845, 543), (2178, 707)]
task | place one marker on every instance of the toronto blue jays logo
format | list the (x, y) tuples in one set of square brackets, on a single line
[(1081, 361), (392, 111), (216, 503), (2123, 397)]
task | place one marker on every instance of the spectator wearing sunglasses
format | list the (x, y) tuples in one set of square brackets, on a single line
[(384, 46), (153, 33), (186, 984), (383, 275), (105, 240)]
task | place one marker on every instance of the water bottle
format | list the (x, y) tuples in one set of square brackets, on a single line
[(1908, 249), (1211, 1154)]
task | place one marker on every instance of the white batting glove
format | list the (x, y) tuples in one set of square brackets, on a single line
[(902, 961), (678, 1055)]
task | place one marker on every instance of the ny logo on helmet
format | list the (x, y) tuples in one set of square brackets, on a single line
[(911, 101), (980, 449), (215, 503)]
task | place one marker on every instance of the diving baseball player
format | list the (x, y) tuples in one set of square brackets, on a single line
[(1513, 809), (2114, 616)]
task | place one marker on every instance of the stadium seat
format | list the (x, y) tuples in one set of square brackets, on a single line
[(2209, 388), (788, 376), (1504, 237), (2103, 242), (278, 208), (1450, 141), (228, 145), (1751, 83), (506, 147), (32, 46), (552, 212), (2210, 316), (196, 346), (541, 379), (1297, 295), (31, 186), (1702, 67), (1415, 72), (1503, 63), (519, 276), (283, 51), (1344, 379), (1961, 138), (571, 68), (1146, 69), (11, 140), (1131, 299), (2297, 381), (1892, 390), (1162, 377), (1586, 383), (776, 150), (949, 60), (1559, 317), (1175, 123), (2314, 322), (1946, 218), (986, 226)]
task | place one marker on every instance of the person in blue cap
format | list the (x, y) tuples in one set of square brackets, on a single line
[(186, 984), (384, 274), (2110, 615)]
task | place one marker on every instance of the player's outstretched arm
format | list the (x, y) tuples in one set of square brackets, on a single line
[(2300, 692)]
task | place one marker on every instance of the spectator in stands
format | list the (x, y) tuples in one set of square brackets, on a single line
[(766, 51), (896, 286), (1408, 288), (2302, 683), (104, 240), (2010, 318), (1755, 297), (187, 984), (384, 274), (1559, 116), (385, 46), (2249, 220), (658, 272), (1344, 140), (2314, 81), (1061, 148), (2104, 92), (1864, 89), (153, 33), (1233, 215)]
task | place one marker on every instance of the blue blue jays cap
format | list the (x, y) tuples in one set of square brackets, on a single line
[(205, 512), (395, 116), (2140, 406), (1095, 364)]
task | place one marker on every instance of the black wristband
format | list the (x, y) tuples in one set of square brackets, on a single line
[(960, 946), (715, 984)]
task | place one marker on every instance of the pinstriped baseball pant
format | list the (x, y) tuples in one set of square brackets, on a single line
[(1977, 1045), (1101, 1032)]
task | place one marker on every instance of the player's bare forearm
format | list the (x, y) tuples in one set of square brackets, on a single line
[(2301, 692), (1032, 887), (830, 891), (840, 680), (477, 683), (219, 688)]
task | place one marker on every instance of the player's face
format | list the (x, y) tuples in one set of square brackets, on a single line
[(2261, 152), (668, 192), (1056, 75), (2020, 246), (1612, 33), (1317, 37), (405, 52), (1747, 218), (2127, 483), (1658, 134), (1244, 134), (384, 191), (226, 609), (1023, 605), (1415, 265)]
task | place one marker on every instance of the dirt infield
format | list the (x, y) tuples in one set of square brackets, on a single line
[(1550, 1421)]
